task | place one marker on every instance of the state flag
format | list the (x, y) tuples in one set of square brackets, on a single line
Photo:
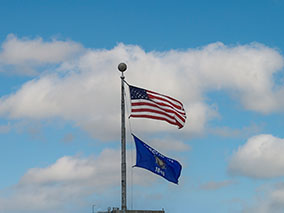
[(150, 159)]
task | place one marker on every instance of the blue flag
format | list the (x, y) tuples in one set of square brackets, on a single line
[(150, 159)]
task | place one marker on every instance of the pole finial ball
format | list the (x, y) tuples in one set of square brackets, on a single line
[(122, 67)]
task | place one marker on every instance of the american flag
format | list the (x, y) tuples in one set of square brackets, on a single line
[(149, 104)]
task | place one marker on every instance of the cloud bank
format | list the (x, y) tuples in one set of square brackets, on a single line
[(85, 88), (71, 179), (260, 157), (25, 56)]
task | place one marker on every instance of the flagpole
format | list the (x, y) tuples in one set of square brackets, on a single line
[(122, 67)]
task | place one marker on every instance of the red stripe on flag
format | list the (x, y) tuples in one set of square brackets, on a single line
[(157, 118), (165, 100), (142, 106), (165, 96)]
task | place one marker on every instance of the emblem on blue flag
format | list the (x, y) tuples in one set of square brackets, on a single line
[(150, 159)]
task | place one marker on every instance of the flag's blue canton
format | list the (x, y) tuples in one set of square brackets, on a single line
[(150, 159), (138, 93)]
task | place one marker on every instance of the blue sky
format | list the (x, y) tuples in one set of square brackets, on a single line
[(60, 104)]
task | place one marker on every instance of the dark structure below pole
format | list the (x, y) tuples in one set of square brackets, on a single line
[(114, 210)]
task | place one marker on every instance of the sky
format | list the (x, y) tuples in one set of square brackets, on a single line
[(60, 104)]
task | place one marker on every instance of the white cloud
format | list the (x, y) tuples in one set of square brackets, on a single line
[(71, 179), (244, 70), (66, 169), (261, 157), (26, 54), (87, 90)]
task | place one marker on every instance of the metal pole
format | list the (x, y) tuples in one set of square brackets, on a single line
[(122, 67)]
